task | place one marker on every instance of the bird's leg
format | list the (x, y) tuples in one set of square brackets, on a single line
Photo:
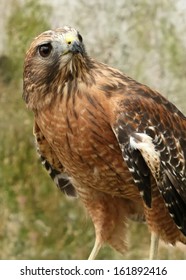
[(95, 250), (154, 246)]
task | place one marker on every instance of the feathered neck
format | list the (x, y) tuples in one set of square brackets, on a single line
[(41, 92)]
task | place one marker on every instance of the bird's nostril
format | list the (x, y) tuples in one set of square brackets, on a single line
[(69, 42)]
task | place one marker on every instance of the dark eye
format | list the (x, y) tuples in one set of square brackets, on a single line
[(45, 50), (80, 38)]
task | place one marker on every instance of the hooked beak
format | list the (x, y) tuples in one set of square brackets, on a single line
[(76, 47)]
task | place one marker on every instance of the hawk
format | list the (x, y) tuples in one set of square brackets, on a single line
[(113, 142)]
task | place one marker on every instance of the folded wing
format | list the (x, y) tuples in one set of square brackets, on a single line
[(152, 136)]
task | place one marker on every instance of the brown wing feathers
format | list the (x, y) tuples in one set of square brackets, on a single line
[(89, 113), (135, 162), (169, 142)]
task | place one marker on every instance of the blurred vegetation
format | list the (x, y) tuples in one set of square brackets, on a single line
[(27, 19), (141, 38)]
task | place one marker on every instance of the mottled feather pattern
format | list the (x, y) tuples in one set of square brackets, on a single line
[(54, 167), (169, 140), (135, 162), (61, 180), (108, 139)]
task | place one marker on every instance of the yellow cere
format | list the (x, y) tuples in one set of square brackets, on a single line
[(69, 38)]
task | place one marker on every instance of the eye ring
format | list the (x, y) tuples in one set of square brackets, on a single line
[(45, 50)]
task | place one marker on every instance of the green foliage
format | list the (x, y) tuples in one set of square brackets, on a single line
[(26, 21)]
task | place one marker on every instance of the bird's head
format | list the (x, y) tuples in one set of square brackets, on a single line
[(51, 58), (60, 44)]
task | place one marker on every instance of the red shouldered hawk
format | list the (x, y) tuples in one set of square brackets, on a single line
[(115, 143)]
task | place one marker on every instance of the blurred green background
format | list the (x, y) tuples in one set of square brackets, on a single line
[(146, 40)]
